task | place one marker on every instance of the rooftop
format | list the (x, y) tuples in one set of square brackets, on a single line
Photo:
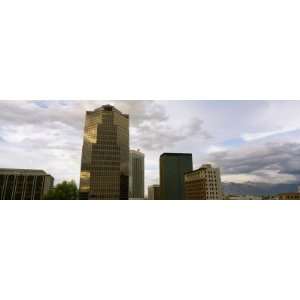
[(108, 107), (22, 171), (206, 166), (138, 151), (176, 154)]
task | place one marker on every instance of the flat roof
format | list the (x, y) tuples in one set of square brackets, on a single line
[(138, 151), (22, 171), (108, 107), (176, 154)]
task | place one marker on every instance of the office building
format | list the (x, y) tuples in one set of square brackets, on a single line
[(21, 184), (105, 155), (204, 183), (172, 167), (136, 174), (195, 189), (154, 192)]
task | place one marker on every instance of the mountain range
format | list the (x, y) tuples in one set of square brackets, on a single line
[(258, 188)]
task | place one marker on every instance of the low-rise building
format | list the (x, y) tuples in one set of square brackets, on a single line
[(289, 196), (24, 184), (243, 197)]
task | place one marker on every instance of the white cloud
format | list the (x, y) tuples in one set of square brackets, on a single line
[(260, 135), (214, 148)]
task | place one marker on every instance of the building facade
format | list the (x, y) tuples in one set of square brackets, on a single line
[(154, 192), (172, 167), (105, 155), (136, 174), (289, 196), (22, 184), (204, 183), (195, 189)]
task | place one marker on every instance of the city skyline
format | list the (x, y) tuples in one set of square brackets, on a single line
[(248, 140)]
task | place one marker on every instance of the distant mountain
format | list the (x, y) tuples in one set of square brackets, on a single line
[(258, 188)]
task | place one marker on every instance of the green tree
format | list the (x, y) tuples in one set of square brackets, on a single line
[(67, 190)]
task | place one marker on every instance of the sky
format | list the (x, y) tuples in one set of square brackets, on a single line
[(255, 141)]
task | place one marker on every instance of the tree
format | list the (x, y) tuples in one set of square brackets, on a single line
[(63, 191)]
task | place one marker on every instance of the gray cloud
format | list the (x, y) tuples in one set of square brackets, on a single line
[(265, 161), (158, 135), (27, 112), (142, 111), (72, 113)]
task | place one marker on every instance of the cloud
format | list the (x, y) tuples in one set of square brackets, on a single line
[(153, 129), (215, 149), (72, 113), (261, 135), (160, 135), (267, 162), (142, 111)]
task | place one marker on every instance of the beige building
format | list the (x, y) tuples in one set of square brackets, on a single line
[(289, 196), (154, 192), (23, 184), (136, 174), (195, 188), (105, 155), (203, 183)]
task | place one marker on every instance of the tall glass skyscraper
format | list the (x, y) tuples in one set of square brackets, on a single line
[(136, 174), (105, 155), (172, 167)]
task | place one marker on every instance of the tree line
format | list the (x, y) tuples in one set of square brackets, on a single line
[(66, 190)]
